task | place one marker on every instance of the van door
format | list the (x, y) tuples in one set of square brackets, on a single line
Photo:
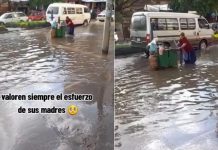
[(79, 15), (139, 33), (189, 27), (87, 14), (204, 31), (72, 14), (64, 13)]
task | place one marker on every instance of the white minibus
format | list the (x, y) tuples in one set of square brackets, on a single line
[(167, 27), (79, 14)]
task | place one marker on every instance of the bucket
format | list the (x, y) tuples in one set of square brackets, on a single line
[(53, 34), (153, 63)]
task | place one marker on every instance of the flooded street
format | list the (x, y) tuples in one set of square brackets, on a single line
[(32, 62), (171, 109)]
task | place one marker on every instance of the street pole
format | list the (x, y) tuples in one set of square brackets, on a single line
[(107, 25)]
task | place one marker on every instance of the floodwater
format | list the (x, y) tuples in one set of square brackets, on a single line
[(32, 62), (170, 109)]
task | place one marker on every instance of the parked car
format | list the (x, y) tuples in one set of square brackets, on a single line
[(102, 16), (36, 16), (214, 26), (13, 17)]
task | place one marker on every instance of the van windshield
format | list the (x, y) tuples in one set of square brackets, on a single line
[(53, 10), (139, 23), (86, 10)]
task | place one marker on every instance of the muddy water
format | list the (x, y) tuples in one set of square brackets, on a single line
[(171, 109), (32, 62)]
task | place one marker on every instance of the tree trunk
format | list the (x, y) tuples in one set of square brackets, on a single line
[(9, 5)]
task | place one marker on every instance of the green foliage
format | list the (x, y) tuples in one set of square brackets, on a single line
[(39, 3), (203, 7), (26, 24), (2, 28), (123, 9)]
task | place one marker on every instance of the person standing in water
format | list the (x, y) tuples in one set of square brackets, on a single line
[(70, 26), (187, 50)]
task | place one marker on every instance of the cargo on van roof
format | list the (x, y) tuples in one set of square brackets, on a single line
[(167, 14)]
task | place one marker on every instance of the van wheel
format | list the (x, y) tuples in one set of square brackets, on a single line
[(85, 23), (203, 45)]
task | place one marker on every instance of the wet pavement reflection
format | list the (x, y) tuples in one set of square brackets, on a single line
[(32, 62), (171, 109)]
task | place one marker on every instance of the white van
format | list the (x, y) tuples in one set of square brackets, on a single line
[(79, 14), (167, 27)]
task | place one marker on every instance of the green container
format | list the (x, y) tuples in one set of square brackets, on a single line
[(172, 58), (168, 59), (60, 32), (163, 59)]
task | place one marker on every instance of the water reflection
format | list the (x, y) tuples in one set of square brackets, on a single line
[(167, 109), (33, 63)]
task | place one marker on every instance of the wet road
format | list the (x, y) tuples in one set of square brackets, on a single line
[(171, 109), (32, 62)]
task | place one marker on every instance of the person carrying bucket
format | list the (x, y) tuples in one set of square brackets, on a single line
[(188, 53)]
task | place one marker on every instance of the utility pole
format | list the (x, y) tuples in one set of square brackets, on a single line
[(107, 25)]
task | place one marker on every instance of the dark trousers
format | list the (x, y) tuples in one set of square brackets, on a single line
[(189, 57), (71, 30)]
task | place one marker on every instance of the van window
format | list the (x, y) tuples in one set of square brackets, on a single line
[(191, 23), (172, 24), (183, 24), (203, 24), (162, 25), (187, 23), (53, 10), (79, 11), (86, 10), (165, 23), (65, 10), (139, 23), (71, 10)]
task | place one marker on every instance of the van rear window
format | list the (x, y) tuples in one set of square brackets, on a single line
[(53, 10), (139, 23)]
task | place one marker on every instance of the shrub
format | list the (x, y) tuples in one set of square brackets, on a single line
[(3, 29), (26, 24)]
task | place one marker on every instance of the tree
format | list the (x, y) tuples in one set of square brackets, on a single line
[(36, 4), (123, 9), (203, 7)]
